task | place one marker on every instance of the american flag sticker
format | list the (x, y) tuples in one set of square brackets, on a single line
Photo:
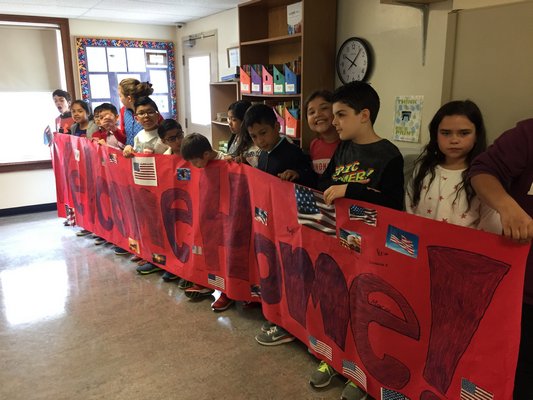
[(313, 211), (47, 135), (402, 241), (351, 369), (320, 347), (387, 394), (350, 240), (261, 216), (366, 215), (216, 281), (196, 250), (77, 155), (70, 214), (144, 171), (113, 159), (470, 391)]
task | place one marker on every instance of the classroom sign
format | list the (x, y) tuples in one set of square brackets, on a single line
[(407, 307)]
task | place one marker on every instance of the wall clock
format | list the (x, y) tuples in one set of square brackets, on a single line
[(353, 60)]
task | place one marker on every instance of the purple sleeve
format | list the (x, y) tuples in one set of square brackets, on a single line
[(508, 157)]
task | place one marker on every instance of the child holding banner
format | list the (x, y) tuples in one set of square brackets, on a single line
[(147, 141), (364, 167), (439, 189), (285, 160), (62, 100), (320, 120), (503, 178)]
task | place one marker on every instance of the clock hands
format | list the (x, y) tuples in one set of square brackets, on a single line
[(351, 62)]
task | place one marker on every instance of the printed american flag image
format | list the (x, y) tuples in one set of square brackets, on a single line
[(402, 241), (255, 290), (313, 212), (113, 158), (366, 215), (352, 370), (144, 172), (470, 391), (387, 394), (216, 281), (70, 215), (47, 135), (261, 216), (197, 250), (350, 240), (320, 347)]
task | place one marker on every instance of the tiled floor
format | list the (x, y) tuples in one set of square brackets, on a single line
[(77, 322)]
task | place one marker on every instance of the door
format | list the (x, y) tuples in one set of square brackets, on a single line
[(200, 68)]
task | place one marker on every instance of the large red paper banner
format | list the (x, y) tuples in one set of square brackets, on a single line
[(407, 307)]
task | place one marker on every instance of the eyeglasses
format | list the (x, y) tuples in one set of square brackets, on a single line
[(146, 113), (173, 138)]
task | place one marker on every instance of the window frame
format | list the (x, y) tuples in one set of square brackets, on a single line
[(64, 31)]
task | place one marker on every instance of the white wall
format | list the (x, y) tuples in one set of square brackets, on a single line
[(27, 188), (227, 27)]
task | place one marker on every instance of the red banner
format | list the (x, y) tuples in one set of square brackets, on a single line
[(403, 305)]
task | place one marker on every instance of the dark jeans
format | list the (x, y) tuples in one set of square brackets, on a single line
[(523, 385)]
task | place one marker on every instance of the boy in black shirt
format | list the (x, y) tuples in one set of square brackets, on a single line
[(285, 160), (364, 167)]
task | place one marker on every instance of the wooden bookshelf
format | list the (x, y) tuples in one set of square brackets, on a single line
[(264, 39), (222, 95)]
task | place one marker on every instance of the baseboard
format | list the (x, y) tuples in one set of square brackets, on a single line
[(28, 209)]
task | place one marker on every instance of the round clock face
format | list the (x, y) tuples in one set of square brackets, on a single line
[(353, 60)]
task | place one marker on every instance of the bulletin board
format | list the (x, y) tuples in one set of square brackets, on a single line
[(103, 63)]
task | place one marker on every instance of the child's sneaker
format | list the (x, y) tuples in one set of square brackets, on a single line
[(135, 258), (169, 276), (222, 304), (353, 392), (322, 376), (184, 284), (147, 268), (275, 336), (119, 251), (99, 240), (83, 232), (267, 326), (197, 291)]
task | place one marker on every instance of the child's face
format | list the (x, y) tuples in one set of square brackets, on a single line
[(147, 116), (173, 139), (319, 115), (62, 104), (264, 136), (97, 119), (347, 121), (108, 119), (127, 101), (234, 122), (456, 137), (201, 162), (79, 114)]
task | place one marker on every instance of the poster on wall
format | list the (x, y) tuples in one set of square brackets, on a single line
[(407, 118)]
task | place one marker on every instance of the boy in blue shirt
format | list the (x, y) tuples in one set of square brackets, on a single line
[(364, 167)]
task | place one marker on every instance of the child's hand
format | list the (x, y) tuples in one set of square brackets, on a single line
[(229, 158), (128, 151), (334, 192), (289, 175)]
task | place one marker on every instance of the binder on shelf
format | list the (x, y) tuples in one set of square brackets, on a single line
[(281, 122), (257, 79), (245, 79), (279, 79), (292, 81), (268, 79), (292, 123)]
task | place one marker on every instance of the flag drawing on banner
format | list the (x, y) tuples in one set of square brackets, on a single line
[(351, 240), (470, 391), (352, 370), (320, 347), (366, 215), (216, 280), (261, 216), (313, 211), (387, 394), (47, 135), (144, 171), (402, 241)]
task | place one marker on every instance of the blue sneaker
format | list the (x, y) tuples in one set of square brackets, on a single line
[(147, 268), (119, 251), (169, 276)]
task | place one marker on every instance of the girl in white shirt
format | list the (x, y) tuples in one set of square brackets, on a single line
[(439, 188)]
